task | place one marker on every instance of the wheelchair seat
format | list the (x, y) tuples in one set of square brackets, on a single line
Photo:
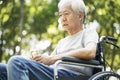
[(97, 64)]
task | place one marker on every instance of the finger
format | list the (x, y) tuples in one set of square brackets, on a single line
[(37, 58)]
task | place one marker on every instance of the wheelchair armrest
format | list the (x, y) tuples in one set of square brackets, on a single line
[(77, 60)]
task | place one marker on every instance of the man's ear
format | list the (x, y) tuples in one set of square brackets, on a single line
[(80, 15)]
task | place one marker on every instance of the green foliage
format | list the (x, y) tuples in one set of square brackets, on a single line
[(40, 19)]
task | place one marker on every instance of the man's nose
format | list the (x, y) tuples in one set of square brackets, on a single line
[(63, 18)]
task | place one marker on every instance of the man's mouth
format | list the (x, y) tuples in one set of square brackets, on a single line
[(65, 24)]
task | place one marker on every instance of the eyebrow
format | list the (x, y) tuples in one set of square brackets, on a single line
[(64, 11)]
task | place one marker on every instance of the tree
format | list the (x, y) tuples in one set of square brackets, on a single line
[(106, 13), (40, 18)]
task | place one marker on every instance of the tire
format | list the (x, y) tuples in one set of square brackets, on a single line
[(106, 75)]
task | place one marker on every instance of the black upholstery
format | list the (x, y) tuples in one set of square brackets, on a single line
[(77, 60)]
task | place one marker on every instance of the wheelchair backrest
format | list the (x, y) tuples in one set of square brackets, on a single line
[(99, 57)]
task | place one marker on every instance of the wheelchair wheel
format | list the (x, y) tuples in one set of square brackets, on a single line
[(106, 75)]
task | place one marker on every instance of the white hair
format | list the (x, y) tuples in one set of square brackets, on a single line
[(77, 6)]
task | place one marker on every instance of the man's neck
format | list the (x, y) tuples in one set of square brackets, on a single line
[(75, 30)]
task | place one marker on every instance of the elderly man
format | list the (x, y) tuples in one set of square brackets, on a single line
[(81, 43)]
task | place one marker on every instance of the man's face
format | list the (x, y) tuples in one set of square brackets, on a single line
[(68, 18)]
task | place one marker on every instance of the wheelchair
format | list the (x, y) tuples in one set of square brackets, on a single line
[(98, 64)]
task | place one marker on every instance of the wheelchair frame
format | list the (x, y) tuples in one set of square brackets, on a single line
[(87, 63)]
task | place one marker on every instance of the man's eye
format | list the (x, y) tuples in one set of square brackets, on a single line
[(66, 13), (60, 15)]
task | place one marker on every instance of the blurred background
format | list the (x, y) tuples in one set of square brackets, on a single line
[(26, 25)]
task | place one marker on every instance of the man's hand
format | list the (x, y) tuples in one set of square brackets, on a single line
[(45, 59)]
